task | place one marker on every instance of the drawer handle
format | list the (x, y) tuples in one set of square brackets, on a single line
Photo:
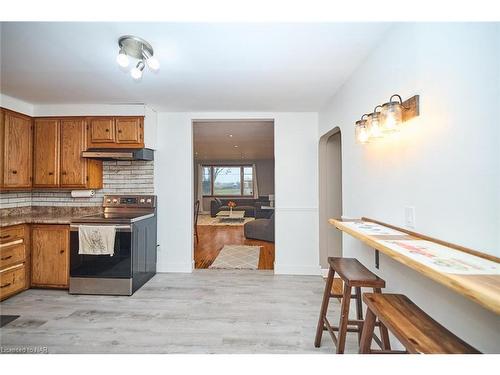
[(14, 171), (107, 130), (119, 131), (4, 237), (61, 252), (51, 173), (10, 256), (5, 286)]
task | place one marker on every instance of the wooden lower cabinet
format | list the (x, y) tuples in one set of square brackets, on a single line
[(50, 256), (14, 260)]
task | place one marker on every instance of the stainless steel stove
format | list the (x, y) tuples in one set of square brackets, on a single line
[(134, 259)]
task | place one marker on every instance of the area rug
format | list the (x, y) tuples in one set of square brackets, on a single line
[(239, 257), (204, 219)]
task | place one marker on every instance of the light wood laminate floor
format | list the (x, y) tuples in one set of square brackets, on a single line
[(208, 311), (213, 238)]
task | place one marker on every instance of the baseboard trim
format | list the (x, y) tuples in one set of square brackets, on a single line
[(289, 269)]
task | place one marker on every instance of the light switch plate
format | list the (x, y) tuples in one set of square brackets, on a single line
[(410, 216)]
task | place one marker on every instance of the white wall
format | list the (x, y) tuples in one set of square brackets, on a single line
[(295, 189), (16, 105), (446, 163)]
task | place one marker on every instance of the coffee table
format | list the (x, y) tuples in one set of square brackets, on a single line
[(231, 217)]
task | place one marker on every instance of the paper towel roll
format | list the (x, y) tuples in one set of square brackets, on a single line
[(82, 193)]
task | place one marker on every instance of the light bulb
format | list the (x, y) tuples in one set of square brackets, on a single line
[(391, 117), (122, 59), (136, 72), (375, 129), (390, 124), (153, 63), (363, 135), (374, 126)]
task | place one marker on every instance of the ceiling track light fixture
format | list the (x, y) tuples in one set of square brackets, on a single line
[(386, 119), (134, 47)]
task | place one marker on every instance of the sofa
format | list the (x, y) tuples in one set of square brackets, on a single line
[(251, 206), (260, 229)]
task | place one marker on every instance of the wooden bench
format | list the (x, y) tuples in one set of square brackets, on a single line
[(416, 330), (353, 275)]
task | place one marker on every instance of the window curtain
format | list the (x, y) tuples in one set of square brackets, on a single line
[(199, 193), (255, 183)]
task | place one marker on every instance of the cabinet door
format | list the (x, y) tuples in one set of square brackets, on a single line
[(102, 130), (50, 255), (73, 166), (46, 153), (17, 150), (2, 132), (128, 130)]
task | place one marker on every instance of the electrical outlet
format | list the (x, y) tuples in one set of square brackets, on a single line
[(410, 217)]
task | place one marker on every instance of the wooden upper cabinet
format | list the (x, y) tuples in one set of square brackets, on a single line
[(102, 130), (128, 130), (17, 150), (46, 153), (50, 255), (116, 132), (2, 132), (73, 142)]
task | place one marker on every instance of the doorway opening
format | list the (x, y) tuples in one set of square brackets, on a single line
[(330, 195), (233, 173)]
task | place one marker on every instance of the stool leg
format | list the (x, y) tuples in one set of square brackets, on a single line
[(344, 318), (384, 334), (324, 307), (359, 311), (367, 335)]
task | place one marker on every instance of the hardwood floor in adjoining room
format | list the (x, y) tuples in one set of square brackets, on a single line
[(212, 239)]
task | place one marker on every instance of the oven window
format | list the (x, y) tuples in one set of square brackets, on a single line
[(117, 266)]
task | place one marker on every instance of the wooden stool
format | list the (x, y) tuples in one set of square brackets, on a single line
[(416, 330), (353, 275)]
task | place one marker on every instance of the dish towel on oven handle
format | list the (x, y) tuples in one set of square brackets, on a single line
[(96, 240)]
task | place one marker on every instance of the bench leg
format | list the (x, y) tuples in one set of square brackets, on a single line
[(384, 334), (359, 311), (344, 318), (367, 335), (324, 307)]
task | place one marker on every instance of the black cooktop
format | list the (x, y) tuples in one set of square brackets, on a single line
[(113, 218)]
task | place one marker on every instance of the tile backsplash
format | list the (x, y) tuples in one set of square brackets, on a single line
[(119, 177)]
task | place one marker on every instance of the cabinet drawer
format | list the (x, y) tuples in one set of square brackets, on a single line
[(12, 280), (9, 234), (12, 254)]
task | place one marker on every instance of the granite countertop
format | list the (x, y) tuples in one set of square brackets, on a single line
[(44, 215)]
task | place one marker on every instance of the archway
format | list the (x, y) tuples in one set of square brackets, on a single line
[(330, 194)]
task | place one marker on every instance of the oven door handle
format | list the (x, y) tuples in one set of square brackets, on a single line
[(119, 228)]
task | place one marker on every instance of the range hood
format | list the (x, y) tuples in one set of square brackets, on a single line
[(120, 154)]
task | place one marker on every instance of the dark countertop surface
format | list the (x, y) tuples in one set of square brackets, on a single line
[(44, 215)]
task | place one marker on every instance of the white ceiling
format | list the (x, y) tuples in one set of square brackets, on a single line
[(216, 140), (204, 67)]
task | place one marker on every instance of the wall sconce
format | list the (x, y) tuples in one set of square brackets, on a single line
[(389, 119)]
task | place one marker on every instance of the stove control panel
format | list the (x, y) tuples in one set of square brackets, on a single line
[(133, 201)]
